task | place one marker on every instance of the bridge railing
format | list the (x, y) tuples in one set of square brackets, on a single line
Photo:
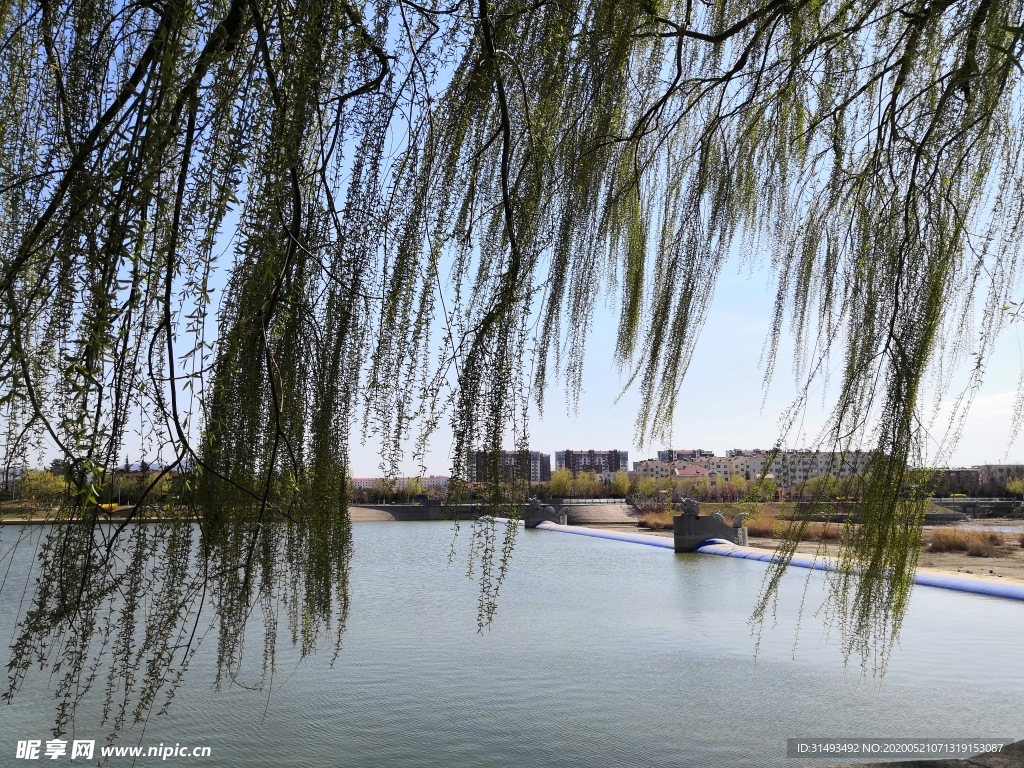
[(974, 500), (588, 502)]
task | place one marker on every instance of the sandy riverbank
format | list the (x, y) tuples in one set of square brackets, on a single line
[(369, 515), (1007, 564)]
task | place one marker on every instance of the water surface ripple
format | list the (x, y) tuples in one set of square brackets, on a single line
[(602, 654)]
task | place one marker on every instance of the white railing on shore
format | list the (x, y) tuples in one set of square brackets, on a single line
[(569, 502)]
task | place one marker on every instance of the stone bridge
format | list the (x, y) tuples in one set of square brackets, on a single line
[(983, 507), (581, 512), (691, 529)]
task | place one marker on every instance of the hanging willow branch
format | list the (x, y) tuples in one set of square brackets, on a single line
[(246, 229)]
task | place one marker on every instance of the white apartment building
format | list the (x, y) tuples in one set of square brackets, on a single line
[(654, 469), (677, 470), (429, 483), (435, 482), (795, 467), (722, 465), (787, 467)]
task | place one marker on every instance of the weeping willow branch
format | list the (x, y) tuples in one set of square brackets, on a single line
[(247, 230)]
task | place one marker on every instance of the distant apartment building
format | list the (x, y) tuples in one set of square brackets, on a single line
[(980, 480), (945, 481), (653, 468), (656, 469), (722, 466), (592, 461), (796, 467), (786, 467), (515, 465), (434, 483), (743, 462), (993, 477), (684, 454)]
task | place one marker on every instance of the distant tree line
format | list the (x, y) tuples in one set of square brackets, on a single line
[(44, 488)]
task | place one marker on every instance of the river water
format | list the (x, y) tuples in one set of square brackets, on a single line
[(601, 654)]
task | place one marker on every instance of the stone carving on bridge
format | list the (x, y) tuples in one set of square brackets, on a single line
[(690, 507)]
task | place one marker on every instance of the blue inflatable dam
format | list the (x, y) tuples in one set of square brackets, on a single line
[(965, 583), (632, 538)]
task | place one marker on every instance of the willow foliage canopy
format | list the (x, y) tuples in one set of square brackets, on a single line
[(417, 207)]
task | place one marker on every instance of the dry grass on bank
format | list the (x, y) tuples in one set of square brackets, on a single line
[(761, 526), (974, 543), (772, 528), (766, 524), (656, 521), (971, 543)]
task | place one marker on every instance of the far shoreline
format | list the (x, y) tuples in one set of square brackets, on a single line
[(1007, 567)]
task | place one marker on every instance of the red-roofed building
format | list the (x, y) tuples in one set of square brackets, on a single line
[(694, 472)]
